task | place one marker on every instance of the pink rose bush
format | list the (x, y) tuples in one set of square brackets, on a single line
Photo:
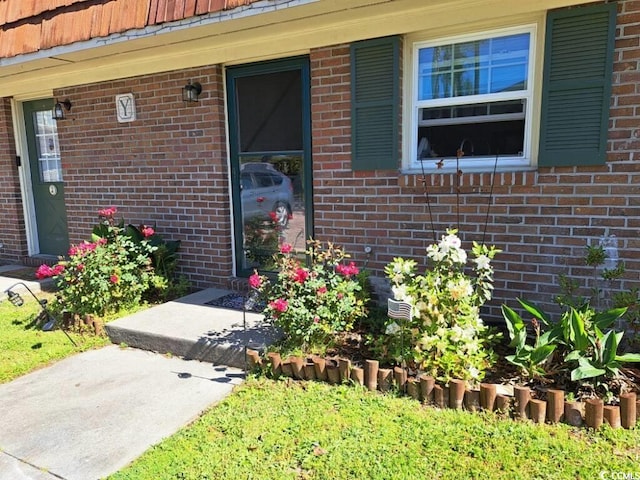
[(262, 238), (311, 303), (111, 272), (255, 281), (286, 248), (347, 270), (45, 271), (147, 231), (279, 305), (108, 212)]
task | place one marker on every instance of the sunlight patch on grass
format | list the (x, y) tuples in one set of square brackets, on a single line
[(24, 348)]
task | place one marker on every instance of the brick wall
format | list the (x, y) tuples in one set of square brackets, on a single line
[(168, 168), (12, 231), (542, 220)]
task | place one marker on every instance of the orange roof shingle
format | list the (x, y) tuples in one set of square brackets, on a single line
[(28, 26)]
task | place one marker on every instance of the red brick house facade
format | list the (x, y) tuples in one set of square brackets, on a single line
[(173, 165)]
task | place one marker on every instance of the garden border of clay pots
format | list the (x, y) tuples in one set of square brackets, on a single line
[(522, 405), (77, 323)]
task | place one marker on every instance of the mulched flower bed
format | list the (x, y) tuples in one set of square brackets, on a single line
[(236, 301)]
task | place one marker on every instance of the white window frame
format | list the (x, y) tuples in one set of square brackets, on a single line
[(467, 164)]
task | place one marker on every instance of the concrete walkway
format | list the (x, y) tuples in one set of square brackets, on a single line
[(91, 414), (7, 282)]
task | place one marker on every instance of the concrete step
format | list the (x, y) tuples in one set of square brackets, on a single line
[(16, 278), (189, 328)]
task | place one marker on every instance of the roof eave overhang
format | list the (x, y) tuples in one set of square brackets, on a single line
[(262, 30)]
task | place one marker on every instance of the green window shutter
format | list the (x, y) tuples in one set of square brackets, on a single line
[(577, 85), (375, 77)]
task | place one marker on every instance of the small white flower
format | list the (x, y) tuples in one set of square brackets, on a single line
[(456, 333), (474, 372), (483, 262), (461, 289), (450, 241), (435, 254), (392, 328), (408, 266), (399, 292), (458, 255), (468, 334)]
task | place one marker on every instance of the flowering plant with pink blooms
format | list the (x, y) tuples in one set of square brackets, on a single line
[(311, 303), (113, 271)]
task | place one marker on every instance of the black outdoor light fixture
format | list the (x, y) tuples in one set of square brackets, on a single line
[(59, 109), (50, 321), (191, 91)]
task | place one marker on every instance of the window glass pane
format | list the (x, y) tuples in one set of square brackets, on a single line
[(479, 130), (474, 139), (48, 149), (473, 110), (479, 67), (272, 206), (509, 79), (434, 77), (270, 112)]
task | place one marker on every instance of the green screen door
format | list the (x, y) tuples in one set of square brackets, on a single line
[(269, 125)]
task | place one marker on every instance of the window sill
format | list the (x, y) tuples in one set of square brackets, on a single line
[(450, 167), (473, 180)]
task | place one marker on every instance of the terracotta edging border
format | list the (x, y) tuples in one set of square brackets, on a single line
[(521, 406)]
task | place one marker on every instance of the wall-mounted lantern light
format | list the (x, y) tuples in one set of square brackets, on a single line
[(191, 91), (59, 109)]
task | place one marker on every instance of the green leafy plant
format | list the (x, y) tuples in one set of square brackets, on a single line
[(630, 299), (110, 273), (165, 252), (261, 240), (602, 359), (446, 335), (573, 295), (530, 358), (310, 304), (575, 342)]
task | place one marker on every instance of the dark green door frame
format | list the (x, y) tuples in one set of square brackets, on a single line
[(264, 68)]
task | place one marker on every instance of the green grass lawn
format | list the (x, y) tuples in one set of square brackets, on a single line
[(280, 430), (305, 430), (24, 348)]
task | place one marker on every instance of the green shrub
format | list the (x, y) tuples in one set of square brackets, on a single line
[(445, 336)]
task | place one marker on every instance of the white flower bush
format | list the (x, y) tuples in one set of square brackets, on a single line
[(446, 336)]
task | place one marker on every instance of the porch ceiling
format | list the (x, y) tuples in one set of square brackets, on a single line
[(266, 29)]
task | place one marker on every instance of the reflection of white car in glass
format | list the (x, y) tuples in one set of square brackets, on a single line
[(263, 190)]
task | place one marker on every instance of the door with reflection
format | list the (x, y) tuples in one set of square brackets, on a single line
[(269, 132)]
